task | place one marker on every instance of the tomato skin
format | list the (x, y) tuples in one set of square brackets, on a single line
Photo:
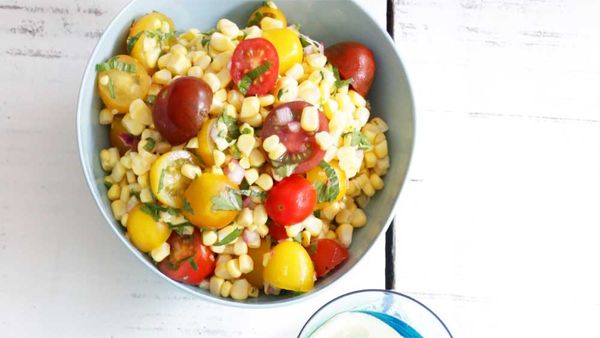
[(353, 60), (255, 277), (144, 232), (301, 143), (250, 54), (326, 254), (168, 169), (288, 46), (182, 270), (291, 200), (289, 267), (181, 107), (273, 13), (148, 23), (206, 145), (126, 86), (317, 174), (277, 231), (199, 195)]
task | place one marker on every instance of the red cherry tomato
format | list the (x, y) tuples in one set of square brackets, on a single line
[(354, 60), (326, 254), (250, 54), (181, 107), (185, 250), (291, 200), (277, 231), (302, 147)]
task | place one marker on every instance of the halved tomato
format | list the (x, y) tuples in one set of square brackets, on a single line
[(302, 147), (326, 254), (318, 174), (255, 66), (190, 261), (206, 145), (166, 180), (121, 80), (277, 231)]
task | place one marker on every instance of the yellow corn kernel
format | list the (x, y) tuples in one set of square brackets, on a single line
[(357, 99), (218, 249), (140, 112), (294, 229), (379, 138), (202, 61), (244, 217), (251, 176), (245, 143), (226, 289), (146, 196), (259, 215), (368, 189), (161, 252), (277, 151), (114, 192), (209, 237), (313, 225), (330, 235), (125, 194), (253, 32), (132, 126), (233, 268), (330, 211), (358, 219), (254, 121), (224, 76), (119, 208), (223, 258), (219, 157), (221, 268), (265, 259), (124, 220), (309, 121), (109, 158), (270, 143), (118, 172), (370, 159), (246, 263), (361, 115), (162, 77), (265, 182), (295, 72), (228, 28), (178, 49), (105, 117), (250, 107), (216, 283), (252, 292), (224, 232), (257, 158), (268, 23), (262, 230), (316, 60), (344, 234), (235, 98), (178, 64), (305, 235), (380, 124), (309, 92), (163, 60), (324, 139), (195, 71), (240, 248), (376, 181), (212, 80), (266, 100), (381, 150), (245, 162), (220, 42), (239, 289), (362, 201), (191, 171), (343, 216)]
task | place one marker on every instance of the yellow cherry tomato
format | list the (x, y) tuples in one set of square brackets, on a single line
[(144, 232), (317, 174), (206, 145), (199, 201), (147, 50), (255, 277), (290, 268), (288, 46), (121, 80), (166, 181), (154, 21), (263, 11)]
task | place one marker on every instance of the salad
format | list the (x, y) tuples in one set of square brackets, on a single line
[(241, 159)]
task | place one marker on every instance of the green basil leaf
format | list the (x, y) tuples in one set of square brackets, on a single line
[(187, 207), (193, 263), (228, 200), (132, 40), (256, 19), (230, 238), (285, 170), (329, 191), (161, 179), (150, 144), (150, 99), (233, 131), (252, 75), (111, 88)]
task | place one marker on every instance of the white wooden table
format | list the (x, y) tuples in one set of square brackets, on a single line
[(497, 227)]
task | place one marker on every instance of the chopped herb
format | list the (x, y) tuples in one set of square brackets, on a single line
[(306, 41), (114, 63), (235, 152), (253, 75), (172, 211), (233, 130), (317, 213), (253, 193), (205, 41), (256, 19), (107, 184), (132, 40), (227, 200), (111, 88), (152, 210), (161, 179), (297, 26), (339, 83), (358, 139), (246, 131), (150, 143), (322, 75), (187, 207), (329, 191), (312, 248), (297, 238), (285, 170), (150, 99), (230, 238), (179, 228), (209, 32), (280, 93), (268, 4), (193, 263)]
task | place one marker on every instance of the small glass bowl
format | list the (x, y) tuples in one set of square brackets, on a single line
[(394, 304)]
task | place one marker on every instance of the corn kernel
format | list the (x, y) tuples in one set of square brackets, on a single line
[(348, 160), (161, 252), (163, 60), (253, 292), (233, 268), (256, 158), (223, 259), (215, 285), (368, 189), (114, 192), (380, 124), (268, 23), (226, 289), (203, 61), (313, 225), (309, 121), (370, 159), (361, 115), (265, 182), (344, 234), (132, 126), (228, 28), (316, 60), (221, 268), (262, 230), (239, 289), (305, 238), (190, 171), (245, 143), (277, 151), (259, 215), (343, 216), (295, 72), (235, 98), (224, 76), (240, 248), (178, 64), (105, 117), (331, 235), (253, 32), (212, 80), (357, 99), (246, 263), (294, 229), (250, 107), (220, 42), (266, 100), (219, 157), (178, 49), (309, 92), (118, 172), (146, 196), (218, 249), (140, 112), (270, 143), (381, 150), (244, 217), (195, 71), (119, 208), (109, 158), (330, 211), (358, 218), (209, 237), (224, 232), (251, 175), (376, 181), (265, 259)]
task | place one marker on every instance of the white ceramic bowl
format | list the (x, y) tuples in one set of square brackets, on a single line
[(327, 21)]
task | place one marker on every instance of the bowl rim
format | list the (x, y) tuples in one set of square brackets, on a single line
[(376, 291), (89, 178)]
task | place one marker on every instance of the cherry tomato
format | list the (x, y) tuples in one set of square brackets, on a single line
[(291, 200), (289, 268), (266, 11), (302, 147), (166, 180), (250, 54), (121, 138), (200, 209), (185, 250), (206, 145), (118, 87), (144, 232), (317, 174), (181, 107), (326, 254), (354, 61), (288, 46), (255, 277), (154, 21), (146, 38), (277, 231)]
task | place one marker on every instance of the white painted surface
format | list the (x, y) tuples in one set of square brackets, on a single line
[(498, 225), (64, 273)]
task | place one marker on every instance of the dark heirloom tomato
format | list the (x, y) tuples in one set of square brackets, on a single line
[(326, 254), (181, 107), (277, 231), (291, 200), (121, 138), (302, 147), (249, 55), (190, 261), (354, 60)]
